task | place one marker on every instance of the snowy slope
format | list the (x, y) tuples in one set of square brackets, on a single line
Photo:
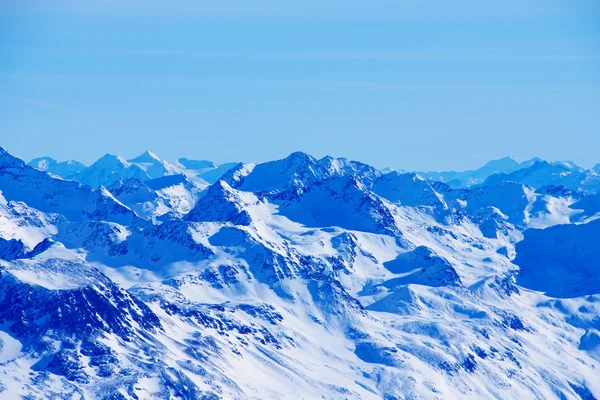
[(46, 193), (157, 199), (408, 189), (298, 279)]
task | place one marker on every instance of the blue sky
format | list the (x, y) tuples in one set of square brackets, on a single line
[(424, 85)]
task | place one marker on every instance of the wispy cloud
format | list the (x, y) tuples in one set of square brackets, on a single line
[(54, 106), (331, 9), (68, 110), (329, 55), (316, 84), (363, 55)]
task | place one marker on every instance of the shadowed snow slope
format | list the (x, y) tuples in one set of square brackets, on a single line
[(562, 261), (408, 190)]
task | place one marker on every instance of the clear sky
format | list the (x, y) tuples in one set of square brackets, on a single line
[(424, 84)]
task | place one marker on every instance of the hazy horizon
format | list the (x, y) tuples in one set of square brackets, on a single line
[(420, 86), (131, 156)]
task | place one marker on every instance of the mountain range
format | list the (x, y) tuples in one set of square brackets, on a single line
[(299, 278)]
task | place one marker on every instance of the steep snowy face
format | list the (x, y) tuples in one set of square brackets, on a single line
[(25, 224), (408, 190), (274, 176), (157, 199), (62, 311), (131, 191), (296, 171), (342, 202), (221, 203), (332, 167), (152, 165), (304, 278)]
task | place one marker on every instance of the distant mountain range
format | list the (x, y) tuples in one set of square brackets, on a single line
[(535, 172), (110, 168), (298, 278)]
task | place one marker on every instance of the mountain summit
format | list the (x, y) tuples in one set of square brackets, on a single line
[(297, 278)]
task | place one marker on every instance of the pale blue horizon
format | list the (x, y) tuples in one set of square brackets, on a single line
[(418, 86)]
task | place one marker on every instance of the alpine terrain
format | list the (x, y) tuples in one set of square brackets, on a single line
[(298, 278)]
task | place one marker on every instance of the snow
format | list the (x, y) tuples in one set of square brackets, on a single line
[(297, 278), (10, 348)]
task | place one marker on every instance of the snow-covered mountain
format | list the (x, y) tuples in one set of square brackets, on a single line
[(295, 172), (64, 169), (208, 171), (473, 177), (49, 194), (155, 199), (295, 278), (543, 173), (110, 168), (410, 189)]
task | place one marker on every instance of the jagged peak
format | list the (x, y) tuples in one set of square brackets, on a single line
[(42, 163), (404, 175), (339, 163), (222, 203), (222, 190), (110, 159), (530, 162), (300, 155), (501, 162), (220, 186), (293, 161), (146, 157)]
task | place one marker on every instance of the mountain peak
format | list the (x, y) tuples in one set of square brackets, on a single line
[(501, 163), (146, 157), (222, 203), (110, 159), (299, 158), (42, 163)]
